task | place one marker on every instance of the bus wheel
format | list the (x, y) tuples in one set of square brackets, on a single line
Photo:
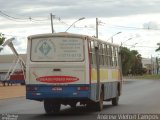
[(99, 104), (115, 100), (51, 107)]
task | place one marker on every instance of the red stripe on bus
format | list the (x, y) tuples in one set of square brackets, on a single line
[(57, 79)]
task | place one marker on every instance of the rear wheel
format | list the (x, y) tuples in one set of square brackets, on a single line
[(51, 107), (115, 100)]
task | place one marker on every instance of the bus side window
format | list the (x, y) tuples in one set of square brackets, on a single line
[(113, 56), (116, 56), (110, 56), (92, 52), (106, 54), (101, 55)]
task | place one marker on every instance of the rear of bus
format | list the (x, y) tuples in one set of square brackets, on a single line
[(57, 68)]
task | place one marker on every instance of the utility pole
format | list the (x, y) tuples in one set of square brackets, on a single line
[(96, 27), (51, 16)]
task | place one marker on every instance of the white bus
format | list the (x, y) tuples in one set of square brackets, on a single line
[(65, 68)]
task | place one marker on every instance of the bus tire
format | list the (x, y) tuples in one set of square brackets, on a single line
[(115, 100), (99, 104), (51, 107)]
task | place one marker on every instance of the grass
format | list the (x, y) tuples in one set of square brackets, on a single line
[(151, 77)]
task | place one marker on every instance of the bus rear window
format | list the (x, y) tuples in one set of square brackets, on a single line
[(57, 49)]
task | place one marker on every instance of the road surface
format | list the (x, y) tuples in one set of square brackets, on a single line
[(138, 96)]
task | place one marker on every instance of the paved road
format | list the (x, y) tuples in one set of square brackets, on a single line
[(141, 96)]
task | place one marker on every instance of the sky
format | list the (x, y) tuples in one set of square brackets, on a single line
[(137, 20)]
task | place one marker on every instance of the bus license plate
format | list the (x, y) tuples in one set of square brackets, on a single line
[(57, 89)]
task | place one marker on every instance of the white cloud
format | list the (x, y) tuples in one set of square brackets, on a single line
[(116, 14)]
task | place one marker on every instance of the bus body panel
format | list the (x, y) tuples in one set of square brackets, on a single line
[(57, 75), (51, 78), (110, 78), (106, 75), (42, 91)]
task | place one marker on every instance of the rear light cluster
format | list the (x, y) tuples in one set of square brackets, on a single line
[(83, 88), (31, 88)]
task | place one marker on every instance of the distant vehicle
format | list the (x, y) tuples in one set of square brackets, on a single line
[(65, 68)]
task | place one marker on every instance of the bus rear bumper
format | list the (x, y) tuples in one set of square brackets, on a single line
[(42, 92)]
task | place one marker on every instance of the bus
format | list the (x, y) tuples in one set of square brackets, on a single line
[(67, 69)]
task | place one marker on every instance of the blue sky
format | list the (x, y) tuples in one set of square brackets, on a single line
[(136, 19)]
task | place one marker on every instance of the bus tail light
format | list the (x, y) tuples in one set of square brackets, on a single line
[(83, 88)]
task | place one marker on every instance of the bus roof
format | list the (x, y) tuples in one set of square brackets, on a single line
[(66, 34)]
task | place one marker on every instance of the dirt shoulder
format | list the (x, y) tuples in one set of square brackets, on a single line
[(12, 91)]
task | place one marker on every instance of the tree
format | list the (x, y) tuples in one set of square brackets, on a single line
[(126, 60), (136, 63), (157, 64), (157, 61), (131, 61), (2, 38)]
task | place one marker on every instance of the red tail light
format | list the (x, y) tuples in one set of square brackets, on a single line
[(83, 88)]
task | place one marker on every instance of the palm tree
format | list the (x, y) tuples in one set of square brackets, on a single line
[(2, 38)]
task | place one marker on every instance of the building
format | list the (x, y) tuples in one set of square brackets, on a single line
[(151, 65)]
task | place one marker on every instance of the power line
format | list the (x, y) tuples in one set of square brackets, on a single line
[(133, 28), (9, 35), (30, 19), (140, 46), (17, 19), (60, 20), (10, 16), (128, 27), (38, 19)]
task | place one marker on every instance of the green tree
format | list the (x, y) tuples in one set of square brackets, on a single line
[(126, 60), (136, 63), (2, 38), (131, 61)]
